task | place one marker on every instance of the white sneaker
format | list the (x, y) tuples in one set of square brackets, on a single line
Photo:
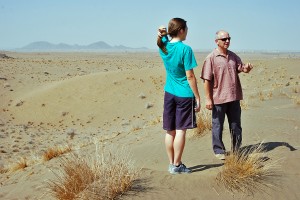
[(220, 156), (171, 166)]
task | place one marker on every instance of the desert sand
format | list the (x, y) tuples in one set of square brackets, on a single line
[(60, 99)]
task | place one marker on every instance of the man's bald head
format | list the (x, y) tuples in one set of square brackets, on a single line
[(222, 39), (221, 34)]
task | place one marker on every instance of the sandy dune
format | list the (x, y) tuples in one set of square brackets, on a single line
[(58, 99)]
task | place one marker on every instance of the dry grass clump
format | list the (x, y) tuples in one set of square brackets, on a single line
[(264, 95), (105, 175), (204, 122), (261, 96), (244, 104), (135, 127), (248, 171), (77, 176), (269, 94), (296, 100), (21, 164), (55, 152)]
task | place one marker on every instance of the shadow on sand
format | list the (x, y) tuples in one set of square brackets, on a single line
[(139, 187), (268, 146), (198, 168)]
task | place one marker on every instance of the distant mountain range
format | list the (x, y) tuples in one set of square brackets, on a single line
[(97, 46)]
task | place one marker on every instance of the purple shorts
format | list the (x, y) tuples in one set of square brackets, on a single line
[(179, 113)]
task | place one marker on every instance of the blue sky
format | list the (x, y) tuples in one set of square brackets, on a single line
[(253, 25)]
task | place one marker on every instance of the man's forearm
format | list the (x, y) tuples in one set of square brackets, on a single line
[(208, 94), (207, 89)]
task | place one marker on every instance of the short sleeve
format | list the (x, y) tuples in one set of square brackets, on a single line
[(207, 70), (164, 39), (189, 59)]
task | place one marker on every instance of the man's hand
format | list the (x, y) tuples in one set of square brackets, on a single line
[(247, 68), (209, 104)]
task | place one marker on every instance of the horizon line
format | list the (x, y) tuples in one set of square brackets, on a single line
[(137, 50)]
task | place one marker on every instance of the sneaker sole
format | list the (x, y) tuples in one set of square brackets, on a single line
[(180, 173)]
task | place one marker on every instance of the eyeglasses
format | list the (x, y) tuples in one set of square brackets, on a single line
[(225, 39)]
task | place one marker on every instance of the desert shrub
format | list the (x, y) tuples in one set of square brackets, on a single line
[(105, 175), (248, 171), (55, 152), (244, 104), (77, 175), (21, 164), (296, 100), (204, 122)]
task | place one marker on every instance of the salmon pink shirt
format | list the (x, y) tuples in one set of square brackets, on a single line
[(222, 72)]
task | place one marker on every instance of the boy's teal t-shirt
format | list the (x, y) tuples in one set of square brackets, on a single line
[(180, 58)]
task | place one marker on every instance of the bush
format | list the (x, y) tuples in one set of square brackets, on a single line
[(248, 171), (105, 175)]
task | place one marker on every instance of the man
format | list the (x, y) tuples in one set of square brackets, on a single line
[(223, 92)]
